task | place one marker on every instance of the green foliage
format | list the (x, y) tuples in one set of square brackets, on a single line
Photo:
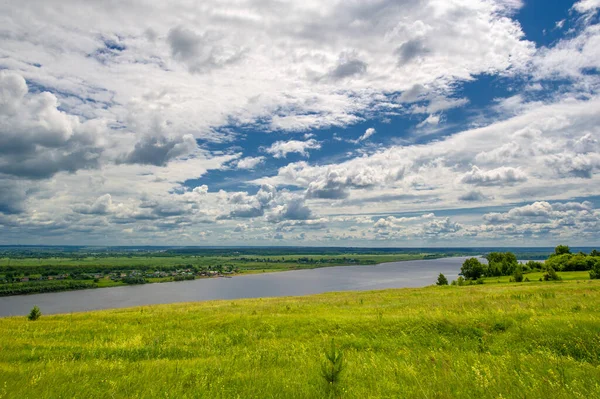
[(501, 264), (332, 367), (595, 253), (595, 272), (134, 280), (562, 250), (533, 265), (472, 269), (460, 281), (551, 275), (34, 314), (442, 280), (518, 274)]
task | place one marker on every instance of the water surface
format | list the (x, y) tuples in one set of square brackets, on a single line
[(417, 273)]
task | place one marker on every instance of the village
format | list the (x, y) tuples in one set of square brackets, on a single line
[(127, 276)]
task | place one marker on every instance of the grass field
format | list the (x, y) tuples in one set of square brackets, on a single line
[(528, 340), (245, 262)]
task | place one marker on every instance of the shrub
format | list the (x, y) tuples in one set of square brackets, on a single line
[(442, 280), (134, 280), (34, 314), (332, 367), (518, 274), (595, 272), (461, 281), (551, 275), (533, 265)]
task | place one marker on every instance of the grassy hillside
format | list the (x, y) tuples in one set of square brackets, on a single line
[(534, 340)]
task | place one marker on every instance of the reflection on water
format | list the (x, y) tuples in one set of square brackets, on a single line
[(416, 273)]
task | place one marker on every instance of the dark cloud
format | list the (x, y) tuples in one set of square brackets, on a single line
[(12, 197), (327, 190), (411, 50), (101, 206), (349, 68), (473, 196), (160, 150), (201, 52)]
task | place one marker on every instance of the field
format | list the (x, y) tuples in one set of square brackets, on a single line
[(527, 340), (243, 262)]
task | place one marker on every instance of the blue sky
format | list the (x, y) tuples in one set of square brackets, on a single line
[(375, 123)]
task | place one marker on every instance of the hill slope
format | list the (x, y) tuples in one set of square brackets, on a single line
[(489, 341)]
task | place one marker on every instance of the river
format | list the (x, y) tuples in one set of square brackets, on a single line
[(416, 273)]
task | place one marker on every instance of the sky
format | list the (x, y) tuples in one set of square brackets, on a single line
[(375, 123)]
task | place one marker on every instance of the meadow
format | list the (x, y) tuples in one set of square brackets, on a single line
[(504, 340)]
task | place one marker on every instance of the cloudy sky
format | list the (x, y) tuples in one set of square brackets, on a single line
[(287, 122)]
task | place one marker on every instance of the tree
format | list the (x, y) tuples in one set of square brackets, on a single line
[(472, 269), (518, 274), (34, 314), (562, 249), (442, 280), (594, 253)]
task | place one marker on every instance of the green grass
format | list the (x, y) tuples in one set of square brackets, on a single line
[(535, 276), (528, 340)]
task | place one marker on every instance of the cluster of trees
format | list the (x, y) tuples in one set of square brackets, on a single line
[(499, 264), (506, 264), (563, 260), (48, 286)]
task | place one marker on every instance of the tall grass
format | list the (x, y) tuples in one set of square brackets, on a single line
[(534, 340)]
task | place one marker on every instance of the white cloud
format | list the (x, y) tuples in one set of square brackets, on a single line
[(249, 162), (280, 149), (586, 5), (500, 176)]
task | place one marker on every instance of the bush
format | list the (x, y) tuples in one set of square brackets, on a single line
[(332, 367), (551, 275), (595, 272), (134, 280), (461, 281), (442, 280), (518, 274), (34, 314)]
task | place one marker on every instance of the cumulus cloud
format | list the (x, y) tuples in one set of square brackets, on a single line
[(201, 52), (160, 150), (37, 139), (120, 109), (544, 219), (249, 162), (101, 206), (473, 196), (586, 5), (280, 149), (500, 176)]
